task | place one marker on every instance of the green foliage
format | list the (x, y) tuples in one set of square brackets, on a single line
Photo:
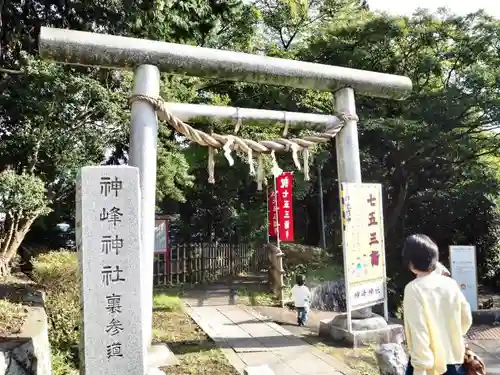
[(62, 363), (23, 195), (12, 317), (428, 151), (57, 119), (167, 302), (22, 200), (313, 262), (204, 23), (54, 121), (57, 272), (172, 176), (289, 21)]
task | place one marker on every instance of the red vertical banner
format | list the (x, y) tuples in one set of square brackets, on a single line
[(284, 192), (271, 214)]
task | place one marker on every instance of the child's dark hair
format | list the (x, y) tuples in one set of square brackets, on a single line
[(300, 280), (420, 252)]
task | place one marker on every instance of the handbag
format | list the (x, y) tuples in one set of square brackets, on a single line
[(473, 364)]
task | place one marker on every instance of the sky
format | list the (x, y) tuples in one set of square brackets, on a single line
[(460, 7)]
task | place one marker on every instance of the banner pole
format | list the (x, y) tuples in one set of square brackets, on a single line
[(268, 226), (277, 214)]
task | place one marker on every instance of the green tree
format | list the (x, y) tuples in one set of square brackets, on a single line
[(288, 22), (56, 119), (22, 200), (428, 150)]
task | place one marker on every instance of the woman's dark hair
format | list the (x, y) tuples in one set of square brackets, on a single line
[(300, 280), (421, 252)]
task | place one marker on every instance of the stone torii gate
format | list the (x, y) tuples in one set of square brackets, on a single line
[(147, 58)]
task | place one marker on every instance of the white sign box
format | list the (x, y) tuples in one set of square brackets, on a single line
[(464, 272)]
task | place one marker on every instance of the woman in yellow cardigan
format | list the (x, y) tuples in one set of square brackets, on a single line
[(436, 314)]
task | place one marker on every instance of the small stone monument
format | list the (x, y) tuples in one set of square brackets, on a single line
[(391, 358), (109, 247)]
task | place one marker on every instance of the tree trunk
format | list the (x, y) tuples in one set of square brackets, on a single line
[(17, 232), (395, 210), (400, 180), (4, 267)]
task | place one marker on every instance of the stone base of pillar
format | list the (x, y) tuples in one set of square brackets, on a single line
[(365, 331), (154, 371), (258, 370), (159, 355)]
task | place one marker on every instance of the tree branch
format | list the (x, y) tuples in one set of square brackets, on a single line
[(34, 157), (11, 71), (19, 235)]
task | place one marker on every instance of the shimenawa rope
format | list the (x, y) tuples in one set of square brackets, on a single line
[(231, 142)]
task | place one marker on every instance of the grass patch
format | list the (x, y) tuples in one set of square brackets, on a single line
[(166, 302), (330, 272), (255, 297), (196, 352), (361, 360), (12, 317)]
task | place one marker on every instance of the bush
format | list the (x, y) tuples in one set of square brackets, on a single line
[(314, 262), (12, 316), (23, 200), (57, 272), (61, 364)]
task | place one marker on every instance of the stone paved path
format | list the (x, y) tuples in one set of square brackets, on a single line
[(489, 351), (249, 339), (484, 340)]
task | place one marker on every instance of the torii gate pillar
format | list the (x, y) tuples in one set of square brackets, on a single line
[(142, 154)]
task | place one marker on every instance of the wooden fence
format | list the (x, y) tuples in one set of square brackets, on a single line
[(202, 262)]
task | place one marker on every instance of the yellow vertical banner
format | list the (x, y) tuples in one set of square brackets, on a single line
[(363, 243)]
